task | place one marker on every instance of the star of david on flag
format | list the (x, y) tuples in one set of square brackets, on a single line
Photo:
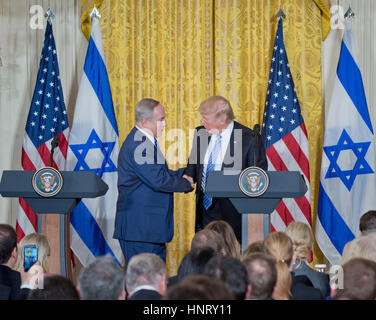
[(94, 143), (360, 167), (347, 180), (94, 146)]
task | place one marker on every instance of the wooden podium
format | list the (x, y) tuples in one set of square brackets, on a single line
[(282, 184), (53, 212)]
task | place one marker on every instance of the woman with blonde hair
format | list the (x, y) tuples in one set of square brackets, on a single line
[(279, 246), (231, 246), (44, 250), (302, 238)]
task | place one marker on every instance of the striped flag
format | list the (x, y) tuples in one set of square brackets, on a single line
[(347, 180), (285, 136), (47, 118), (94, 146)]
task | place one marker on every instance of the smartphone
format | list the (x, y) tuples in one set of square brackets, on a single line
[(30, 256)]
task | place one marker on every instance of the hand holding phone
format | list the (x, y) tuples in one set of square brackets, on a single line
[(30, 256)]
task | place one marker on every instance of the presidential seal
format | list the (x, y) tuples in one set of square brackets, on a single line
[(47, 181), (253, 181)]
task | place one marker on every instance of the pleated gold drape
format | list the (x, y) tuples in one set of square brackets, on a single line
[(180, 52)]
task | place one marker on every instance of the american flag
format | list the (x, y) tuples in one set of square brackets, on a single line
[(47, 118), (285, 136)]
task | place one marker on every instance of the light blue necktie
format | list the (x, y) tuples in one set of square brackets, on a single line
[(207, 201)]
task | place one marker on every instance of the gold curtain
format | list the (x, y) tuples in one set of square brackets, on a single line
[(180, 52)]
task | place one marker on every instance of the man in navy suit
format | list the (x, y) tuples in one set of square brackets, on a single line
[(144, 218), (221, 144)]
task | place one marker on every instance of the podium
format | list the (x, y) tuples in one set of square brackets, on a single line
[(282, 184), (53, 212)]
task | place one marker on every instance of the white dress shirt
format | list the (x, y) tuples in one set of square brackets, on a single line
[(226, 135)]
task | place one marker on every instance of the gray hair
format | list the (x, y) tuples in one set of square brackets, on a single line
[(145, 108), (102, 279), (145, 269)]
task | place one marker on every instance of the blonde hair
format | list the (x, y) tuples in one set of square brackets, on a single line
[(362, 247), (231, 246), (218, 105), (44, 250), (280, 246), (302, 238)]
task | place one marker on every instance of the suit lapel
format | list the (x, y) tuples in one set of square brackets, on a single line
[(201, 161)]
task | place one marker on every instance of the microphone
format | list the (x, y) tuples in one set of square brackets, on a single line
[(256, 133), (54, 144)]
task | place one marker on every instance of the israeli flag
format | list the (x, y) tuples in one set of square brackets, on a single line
[(347, 181), (94, 146)]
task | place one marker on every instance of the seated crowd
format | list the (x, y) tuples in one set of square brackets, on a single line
[(213, 269)]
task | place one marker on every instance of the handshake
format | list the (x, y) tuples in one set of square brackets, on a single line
[(190, 180)]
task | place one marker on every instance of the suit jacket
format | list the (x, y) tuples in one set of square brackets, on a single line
[(302, 289), (244, 146), (146, 185), (10, 285), (145, 294), (319, 280)]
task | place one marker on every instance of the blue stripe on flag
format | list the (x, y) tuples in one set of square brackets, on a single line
[(96, 72), (353, 84), (89, 231), (332, 222)]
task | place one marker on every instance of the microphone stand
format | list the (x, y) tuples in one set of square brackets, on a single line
[(54, 144), (256, 132)]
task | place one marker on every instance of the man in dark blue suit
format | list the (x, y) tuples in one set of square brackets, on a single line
[(144, 216)]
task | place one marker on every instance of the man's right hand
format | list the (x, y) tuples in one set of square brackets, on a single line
[(190, 180)]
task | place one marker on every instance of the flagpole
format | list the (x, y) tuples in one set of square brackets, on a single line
[(49, 15)]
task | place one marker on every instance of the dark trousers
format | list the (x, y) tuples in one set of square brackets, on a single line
[(132, 248), (222, 209)]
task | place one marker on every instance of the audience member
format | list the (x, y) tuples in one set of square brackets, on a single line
[(55, 287), (44, 250), (102, 279), (194, 262), (302, 238), (262, 275), (367, 222), (207, 238), (199, 287), (14, 285), (146, 277), (254, 247), (362, 247), (232, 273), (231, 246), (359, 281), (280, 246)]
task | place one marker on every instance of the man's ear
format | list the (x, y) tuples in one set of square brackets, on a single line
[(14, 253), (79, 292), (248, 293), (122, 295), (162, 288), (333, 292)]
